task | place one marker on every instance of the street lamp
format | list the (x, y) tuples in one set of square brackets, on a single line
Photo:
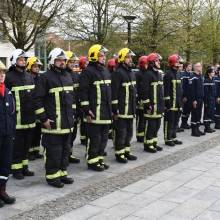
[(129, 19)]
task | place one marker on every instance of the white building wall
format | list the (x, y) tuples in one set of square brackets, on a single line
[(6, 50)]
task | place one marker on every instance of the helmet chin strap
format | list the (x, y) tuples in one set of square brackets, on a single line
[(20, 67)]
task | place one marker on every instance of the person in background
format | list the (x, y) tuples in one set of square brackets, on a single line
[(7, 132), (33, 67), (22, 87), (197, 96), (140, 121), (209, 99), (217, 98)]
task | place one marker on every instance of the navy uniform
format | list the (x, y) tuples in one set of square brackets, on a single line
[(123, 107), (7, 132), (217, 104), (187, 106), (197, 94), (209, 102)]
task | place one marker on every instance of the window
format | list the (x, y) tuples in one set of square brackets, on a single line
[(4, 60)]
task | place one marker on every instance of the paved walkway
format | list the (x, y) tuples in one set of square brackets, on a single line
[(188, 190), (37, 200)]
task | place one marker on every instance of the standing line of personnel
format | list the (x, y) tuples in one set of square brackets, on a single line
[(104, 99)]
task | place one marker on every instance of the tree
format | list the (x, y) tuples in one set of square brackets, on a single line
[(209, 30), (25, 20), (155, 26), (93, 21), (188, 13)]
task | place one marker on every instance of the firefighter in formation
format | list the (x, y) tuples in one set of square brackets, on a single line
[(103, 98)]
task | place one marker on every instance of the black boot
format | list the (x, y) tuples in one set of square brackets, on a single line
[(130, 156), (121, 158), (217, 124), (27, 172), (56, 183), (180, 129), (184, 123), (83, 141), (18, 175), (1, 203), (158, 148), (38, 155), (104, 164), (195, 132), (96, 167), (4, 196), (140, 139), (177, 142), (170, 143), (73, 159), (31, 156), (200, 132), (66, 180), (150, 149)]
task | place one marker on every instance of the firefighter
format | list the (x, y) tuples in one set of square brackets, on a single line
[(83, 62), (152, 98), (55, 108), (197, 96), (71, 68), (186, 75), (111, 65), (209, 99), (217, 102), (140, 121), (95, 98), (7, 131), (123, 105), (173, 100), (33, 67), (22, 86)]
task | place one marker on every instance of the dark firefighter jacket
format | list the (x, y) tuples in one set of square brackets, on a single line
[(55, 100), (152, 93), (95, 93), (172, 90), (124, 92), (22, 86)]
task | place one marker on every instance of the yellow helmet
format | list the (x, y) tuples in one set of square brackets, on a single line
[(123, 53), (2, 66), (31, 61), (94, 52), (71, 56)]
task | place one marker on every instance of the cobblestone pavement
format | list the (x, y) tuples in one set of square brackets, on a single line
[(188, 190), (37, 200)]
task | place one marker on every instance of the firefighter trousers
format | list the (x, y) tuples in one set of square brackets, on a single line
[(140, 123), (22, 143), (151, 130), (97, 135), (57, 148), (36, 138), (123, 135), (6, 149), (171, 120)]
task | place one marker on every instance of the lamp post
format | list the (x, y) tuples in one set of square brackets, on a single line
[(129, 19)]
